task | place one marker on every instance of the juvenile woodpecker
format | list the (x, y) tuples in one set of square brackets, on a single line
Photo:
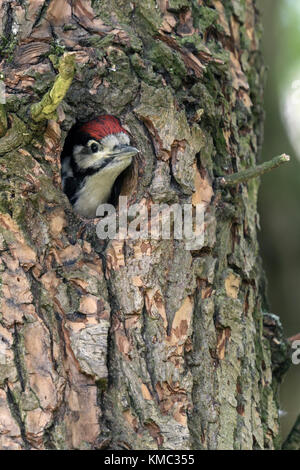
[(94, 155)]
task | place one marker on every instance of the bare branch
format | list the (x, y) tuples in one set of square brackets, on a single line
[(245, 175)]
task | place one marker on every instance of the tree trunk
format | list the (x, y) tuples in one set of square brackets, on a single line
[(134, 344)]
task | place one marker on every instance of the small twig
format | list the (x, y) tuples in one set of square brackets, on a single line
[(293, 440), (46, 108), (245, 175)]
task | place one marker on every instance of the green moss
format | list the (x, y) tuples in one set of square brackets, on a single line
[(207, 153), (56, 48), (244, 38), (7, 46), (219, 56), (56, 437), (239, 9), (203, 16), (144, 70), (41, 81), (168, 60), (150, 16), (122, 83), (109, 10), (101, 43), (69, 27), (17, 104), (18, 134), (177, 5), (205, 100), (28, 401), (102, 384)]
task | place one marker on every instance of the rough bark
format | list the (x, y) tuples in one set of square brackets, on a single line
[(135, 344)]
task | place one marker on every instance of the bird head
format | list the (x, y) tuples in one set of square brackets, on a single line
[(94, 156), (103, 143)]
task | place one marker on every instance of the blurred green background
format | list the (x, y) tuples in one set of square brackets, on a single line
[(279, 201)]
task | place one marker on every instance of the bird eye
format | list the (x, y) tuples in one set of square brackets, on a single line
[(94, 148)]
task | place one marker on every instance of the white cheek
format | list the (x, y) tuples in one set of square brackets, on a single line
[(124, 139), (88, 160)]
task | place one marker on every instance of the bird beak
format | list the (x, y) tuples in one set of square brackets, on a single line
[(125, 150)]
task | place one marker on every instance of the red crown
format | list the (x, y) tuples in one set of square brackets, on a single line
[(102, 126)]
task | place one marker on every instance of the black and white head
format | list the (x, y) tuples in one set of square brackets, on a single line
[(93, 157)]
